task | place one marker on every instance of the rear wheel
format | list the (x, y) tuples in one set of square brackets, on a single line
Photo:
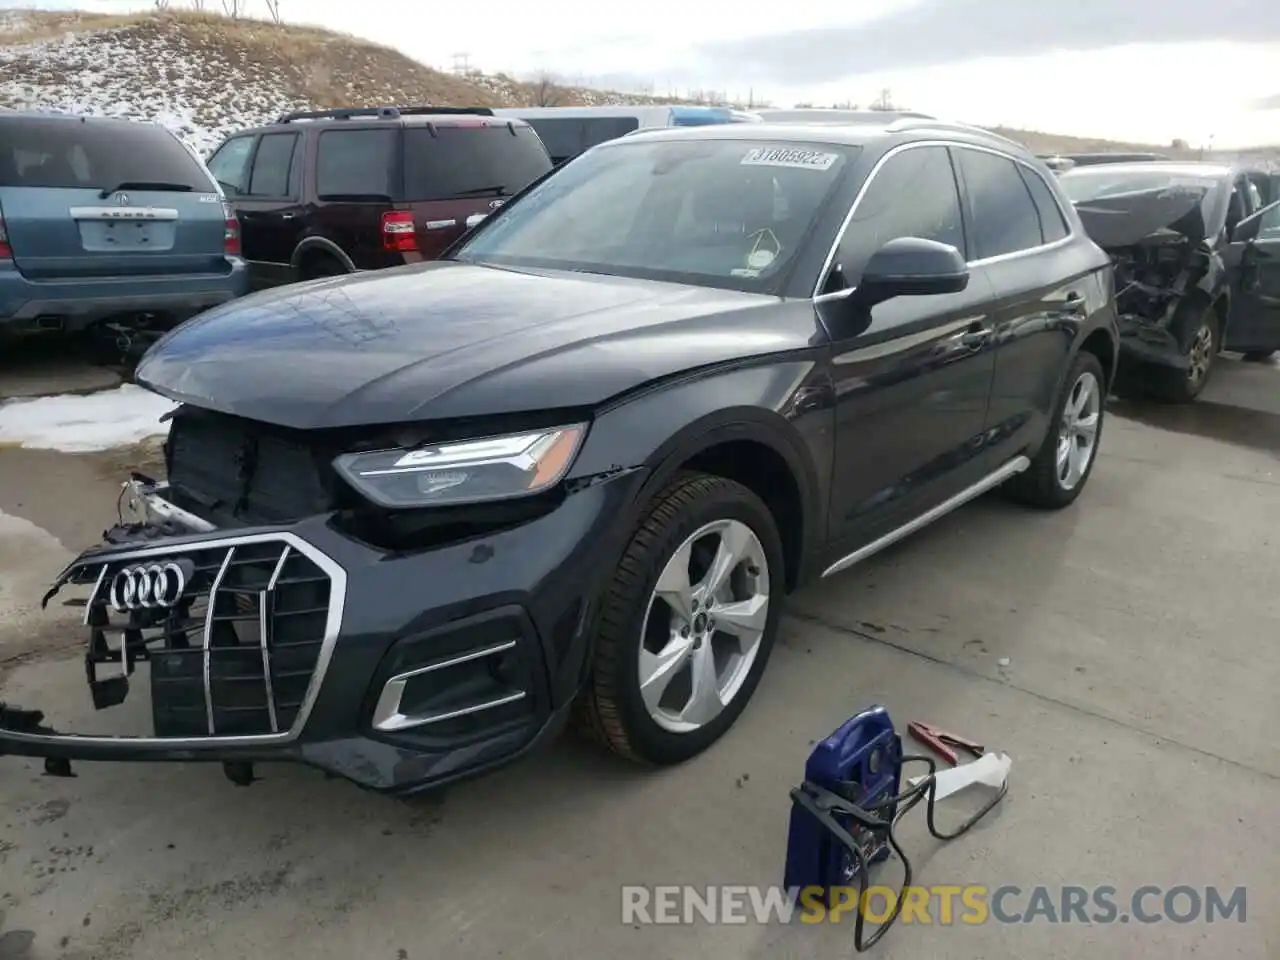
[(1062, 467), (320, 265), (687, 624)]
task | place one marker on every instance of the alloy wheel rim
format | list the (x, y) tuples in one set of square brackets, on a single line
[(703, 626), (1078, 433), (1201, 351)]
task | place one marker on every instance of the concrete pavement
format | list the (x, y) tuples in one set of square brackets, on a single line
[(1123, 652)]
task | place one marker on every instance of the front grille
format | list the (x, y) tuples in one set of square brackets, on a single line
[(235, 655), (232, 471)]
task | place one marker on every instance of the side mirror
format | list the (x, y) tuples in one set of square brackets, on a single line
[(1249, 228), (911, 267)]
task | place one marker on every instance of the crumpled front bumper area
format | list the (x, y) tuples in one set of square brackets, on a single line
[(398, 671), (1143, 342)]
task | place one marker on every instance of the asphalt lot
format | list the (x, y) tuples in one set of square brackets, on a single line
[(1122, 652)]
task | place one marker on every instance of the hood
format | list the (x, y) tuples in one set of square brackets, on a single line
[(442, 340), (1125, 219)]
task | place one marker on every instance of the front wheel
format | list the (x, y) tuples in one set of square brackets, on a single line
[(687, 624), (1183, 386)]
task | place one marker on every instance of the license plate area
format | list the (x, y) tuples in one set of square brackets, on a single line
[(125, 229)]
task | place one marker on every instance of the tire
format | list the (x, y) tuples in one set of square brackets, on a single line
[(1258, 356), (1201, 342), (693, 513), (1045, 484), (313, 268)]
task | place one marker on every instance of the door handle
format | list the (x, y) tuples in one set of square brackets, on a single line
[(288, 216), (1074, 300), (975, 336)]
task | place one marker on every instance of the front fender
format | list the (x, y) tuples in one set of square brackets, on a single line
[(778, 405), (783, 406)]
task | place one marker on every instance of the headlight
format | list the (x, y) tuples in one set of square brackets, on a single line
[(468, 471)]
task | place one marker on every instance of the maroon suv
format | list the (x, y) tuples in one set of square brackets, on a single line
[(326, 192)]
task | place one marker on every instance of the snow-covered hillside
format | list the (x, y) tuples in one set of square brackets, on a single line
[(204, 76), (203, 94)]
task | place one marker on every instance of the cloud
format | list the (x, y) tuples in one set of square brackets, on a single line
[(937, 32), (1268, 103)]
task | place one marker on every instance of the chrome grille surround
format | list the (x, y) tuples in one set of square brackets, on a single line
[(97, 569)]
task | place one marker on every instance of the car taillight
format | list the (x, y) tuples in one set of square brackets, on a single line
[(6, 251), (230, 232), (397, 232)]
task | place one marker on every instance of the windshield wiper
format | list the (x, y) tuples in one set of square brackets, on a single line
[(497, 190), (146, 185)]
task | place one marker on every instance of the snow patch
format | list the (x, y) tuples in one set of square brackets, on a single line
[(201, 95), (84, 424), (11, 21)]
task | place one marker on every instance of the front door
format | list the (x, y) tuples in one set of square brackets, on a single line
[(1254, 325), (912, 388)]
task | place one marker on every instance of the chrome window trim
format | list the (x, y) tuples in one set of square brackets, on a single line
[(333, 626), (982, 262)]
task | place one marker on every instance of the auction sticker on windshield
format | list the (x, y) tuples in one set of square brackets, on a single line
[(789, 157)]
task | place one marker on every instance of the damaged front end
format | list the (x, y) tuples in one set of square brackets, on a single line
[(1168, 265), (199, 643)]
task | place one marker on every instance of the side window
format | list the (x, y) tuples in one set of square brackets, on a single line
[(356, 163), (229, 164), (272, 165), (912, 195), (1051, 219), (1236, 205), (1271, 223), (1004, 216)]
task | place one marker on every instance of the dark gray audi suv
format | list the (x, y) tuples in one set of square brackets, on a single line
[(413, 521)]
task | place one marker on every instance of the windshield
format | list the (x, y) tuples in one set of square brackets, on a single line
[(61, 153), (724, 213)]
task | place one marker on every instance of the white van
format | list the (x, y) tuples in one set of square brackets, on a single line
[(568, 131)]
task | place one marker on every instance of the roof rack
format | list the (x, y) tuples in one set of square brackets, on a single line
[(914, 123), (382, 113)]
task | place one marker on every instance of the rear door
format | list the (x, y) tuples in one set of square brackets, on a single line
[(1015, 229), (270, 208), (457, 173), (1254, 325), (356, 177), (106, 198)]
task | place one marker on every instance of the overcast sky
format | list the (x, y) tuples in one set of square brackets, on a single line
[(1146, 70)]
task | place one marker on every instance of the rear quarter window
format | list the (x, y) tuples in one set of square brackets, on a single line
[(1052, 221), (356, 163), (459, 162), (60, 153)]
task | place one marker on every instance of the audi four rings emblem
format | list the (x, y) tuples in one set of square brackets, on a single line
[(148, 586)]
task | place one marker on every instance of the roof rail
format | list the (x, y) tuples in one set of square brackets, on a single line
[(916, 123), (382, 113)]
